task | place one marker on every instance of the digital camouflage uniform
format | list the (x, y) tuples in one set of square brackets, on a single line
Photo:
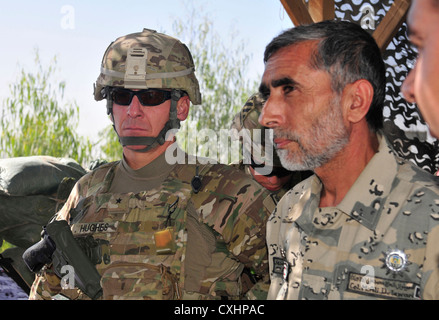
[(380, 242), (150, 232)]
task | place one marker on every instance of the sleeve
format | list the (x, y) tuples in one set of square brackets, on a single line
[(431, 269), (232, 204)]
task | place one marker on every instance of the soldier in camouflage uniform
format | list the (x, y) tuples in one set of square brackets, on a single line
[(154, 227), (265, 168), (366, 225)]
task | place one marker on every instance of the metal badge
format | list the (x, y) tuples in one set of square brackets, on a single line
[(395, 261)]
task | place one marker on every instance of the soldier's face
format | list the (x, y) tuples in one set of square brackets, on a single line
[(137, 120), (422, 84), (302, 109)]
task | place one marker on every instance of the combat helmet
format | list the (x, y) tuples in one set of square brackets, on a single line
[(145, 60), (254, 145)]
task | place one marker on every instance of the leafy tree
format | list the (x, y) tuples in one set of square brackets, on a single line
[(220, 68), (221, 71), (35, 120), (111, 150)]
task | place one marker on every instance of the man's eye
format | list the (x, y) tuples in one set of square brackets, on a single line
[(288, 89), (265, 94)]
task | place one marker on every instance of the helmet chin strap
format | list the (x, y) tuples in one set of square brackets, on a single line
[(149, 142)]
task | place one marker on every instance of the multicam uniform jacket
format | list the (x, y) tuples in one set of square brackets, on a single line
[(260, 290), (380, 242), (167, 242)]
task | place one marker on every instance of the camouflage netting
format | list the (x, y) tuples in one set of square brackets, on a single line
[(32, 189), (403, 124)]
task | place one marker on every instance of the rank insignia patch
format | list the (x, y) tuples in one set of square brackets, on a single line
[(281, 267)]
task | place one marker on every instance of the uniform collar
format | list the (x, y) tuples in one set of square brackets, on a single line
[(158, 167), (365, 200)]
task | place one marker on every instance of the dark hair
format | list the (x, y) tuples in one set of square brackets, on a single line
[(347, 52)]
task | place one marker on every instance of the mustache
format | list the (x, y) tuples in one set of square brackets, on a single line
[(279, 133)]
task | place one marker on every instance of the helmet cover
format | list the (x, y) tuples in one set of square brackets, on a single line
[(148, 59)]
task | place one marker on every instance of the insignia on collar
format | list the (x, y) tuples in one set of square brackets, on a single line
[(281, 267)]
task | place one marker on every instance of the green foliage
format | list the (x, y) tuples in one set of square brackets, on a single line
[(220, 68), (4, 245), (111, 149), (221, 71), (35, 122)]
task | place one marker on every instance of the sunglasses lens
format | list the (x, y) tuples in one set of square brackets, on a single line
[(122, 97), (149, 97), (152, 97)]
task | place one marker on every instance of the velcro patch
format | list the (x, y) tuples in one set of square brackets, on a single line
[(94, 227)]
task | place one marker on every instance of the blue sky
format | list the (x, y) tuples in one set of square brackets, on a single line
[(79, 31)]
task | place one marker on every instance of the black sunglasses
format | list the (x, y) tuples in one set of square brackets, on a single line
[(148, 97), (279, 172)]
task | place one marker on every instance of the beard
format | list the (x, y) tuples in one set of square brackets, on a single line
[(318, 144)]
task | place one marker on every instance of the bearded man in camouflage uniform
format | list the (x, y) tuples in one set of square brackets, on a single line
[(366, 225), (158, 228)]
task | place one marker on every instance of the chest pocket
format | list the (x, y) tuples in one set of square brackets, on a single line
[(134, 224), (141, 238)]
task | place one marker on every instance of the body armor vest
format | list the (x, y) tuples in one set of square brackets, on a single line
[(138, 241)]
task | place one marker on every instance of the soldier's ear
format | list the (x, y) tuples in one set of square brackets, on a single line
[(183, 108), (359, 95)]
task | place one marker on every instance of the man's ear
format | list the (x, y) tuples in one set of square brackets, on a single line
[(183, 108), (360, 96)]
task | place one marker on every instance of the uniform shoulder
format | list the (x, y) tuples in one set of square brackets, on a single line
[(224, 176), (98, 174), (233, 176), (411, 173)]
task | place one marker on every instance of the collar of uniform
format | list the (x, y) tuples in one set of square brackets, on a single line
[(158, 167), (365, 200)]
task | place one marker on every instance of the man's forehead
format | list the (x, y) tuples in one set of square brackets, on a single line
[(277, 82), (291, 56), (419, 11)]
